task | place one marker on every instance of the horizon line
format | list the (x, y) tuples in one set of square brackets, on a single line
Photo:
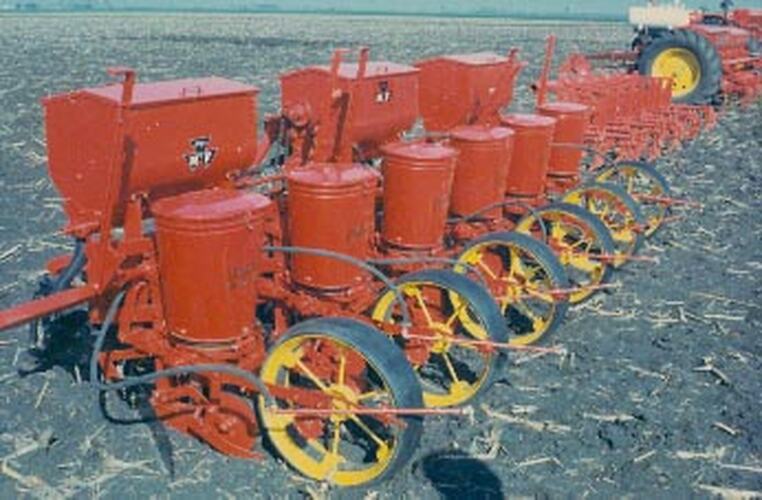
[(474, 15)]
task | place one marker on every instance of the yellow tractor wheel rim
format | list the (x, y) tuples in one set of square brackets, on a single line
[(513, 298), (459, 391), (682, 66), (312, 458)]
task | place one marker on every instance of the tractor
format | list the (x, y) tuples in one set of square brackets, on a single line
[(708, 56)]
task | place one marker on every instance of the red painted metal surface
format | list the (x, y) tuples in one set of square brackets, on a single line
[(209, 247), (631, 115), (742, 70), (731, 42), (572, 121), (531, 154), (466, 89), (417, 184), (484, 154), (350, 108), (29, 311), (331, 207), (178, 136), (750, 19)]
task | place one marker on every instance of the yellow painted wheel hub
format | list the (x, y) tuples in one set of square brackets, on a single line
[(616, 217), (682, 66)]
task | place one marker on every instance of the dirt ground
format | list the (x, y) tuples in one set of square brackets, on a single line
[(659, 395)]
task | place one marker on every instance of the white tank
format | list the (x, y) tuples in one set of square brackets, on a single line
[(661, 16)]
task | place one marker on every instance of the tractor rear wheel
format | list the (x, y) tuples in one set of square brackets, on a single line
[(690, 60)]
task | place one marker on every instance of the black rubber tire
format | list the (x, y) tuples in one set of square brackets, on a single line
[(482, 304), (647, 167), (546, 258), (388, 362), (598, 228), (651, 171), (708, 89), (628, 201)]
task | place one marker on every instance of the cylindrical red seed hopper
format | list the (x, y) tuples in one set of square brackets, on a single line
[(531, 154), (331, 207), (210, 249), (572, 120), (417, 184), (484, 154)]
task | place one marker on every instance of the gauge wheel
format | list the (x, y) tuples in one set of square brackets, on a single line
[(646, 185), (462, 319), (340, 365), (525, 279), (619, 213), (580, 241)]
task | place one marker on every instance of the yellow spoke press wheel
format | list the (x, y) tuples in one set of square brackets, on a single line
[(619, 213), (448, 312), (523, 276), (338, 365), (577, 238), (646, 185)]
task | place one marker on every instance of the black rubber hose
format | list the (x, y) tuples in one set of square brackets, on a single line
[(169, 372), (75, 267), (433, 260)]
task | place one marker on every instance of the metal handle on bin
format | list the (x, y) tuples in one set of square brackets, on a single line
[(129, 77), (547, 67), (362, 62), (338, 55)]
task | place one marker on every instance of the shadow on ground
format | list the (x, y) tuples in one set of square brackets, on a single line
[(455, 475)]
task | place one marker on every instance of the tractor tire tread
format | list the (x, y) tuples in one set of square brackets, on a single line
[(710, 86)]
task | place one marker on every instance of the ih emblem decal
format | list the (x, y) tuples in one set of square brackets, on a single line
[(202, 154)]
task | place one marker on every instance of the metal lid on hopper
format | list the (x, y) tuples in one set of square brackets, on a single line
[(481, 133), (518, 121), (331, 175), (419, 151)]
